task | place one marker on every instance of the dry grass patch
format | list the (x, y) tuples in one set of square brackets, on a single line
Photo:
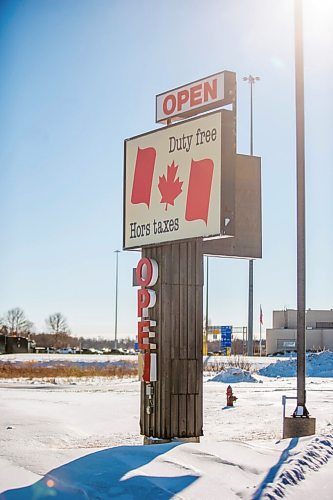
[(32, 369), (218, 365)]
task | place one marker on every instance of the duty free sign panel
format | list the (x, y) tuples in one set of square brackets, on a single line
[(173, 183)]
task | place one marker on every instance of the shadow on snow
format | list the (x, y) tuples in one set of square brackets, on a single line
[(101, 475), (273, 471)]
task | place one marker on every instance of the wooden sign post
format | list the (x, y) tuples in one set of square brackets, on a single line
[(172, 406)]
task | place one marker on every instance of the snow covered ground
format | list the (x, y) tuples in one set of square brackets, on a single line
[(80, 439)]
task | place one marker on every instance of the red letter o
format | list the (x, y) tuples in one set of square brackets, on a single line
[(146, 272), (167, 110)]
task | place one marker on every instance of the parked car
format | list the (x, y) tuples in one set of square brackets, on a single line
[(90, 350), (65, 350), (117, 351)]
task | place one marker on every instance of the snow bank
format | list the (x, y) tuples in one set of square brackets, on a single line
[(233, 375), (320, 364), (280, 369), (317, 365), (296, 469)]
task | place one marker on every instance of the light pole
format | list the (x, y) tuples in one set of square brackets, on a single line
[(116, 302), (300, 410), (251, 79), (300, 424)]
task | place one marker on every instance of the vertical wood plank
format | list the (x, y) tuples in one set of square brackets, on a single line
[(192, 371), (175, 321), (191, 323), (198, 413), (182, 416), (142, 410), (174, 415), (183, 263), (175, 264), (198, 322), (190, 413), (190, 263)]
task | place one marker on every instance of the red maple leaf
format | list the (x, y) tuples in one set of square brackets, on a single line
[(169, 186)]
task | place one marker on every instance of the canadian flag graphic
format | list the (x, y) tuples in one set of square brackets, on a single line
[(143, 176), (199, 188)]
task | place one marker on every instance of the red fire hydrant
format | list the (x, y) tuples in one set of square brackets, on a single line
[(230, 397)]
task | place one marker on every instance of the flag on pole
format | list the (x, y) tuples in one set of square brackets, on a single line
[(261, 323)]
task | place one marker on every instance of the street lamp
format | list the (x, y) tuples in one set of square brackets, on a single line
[(252, 80), (116, 304)]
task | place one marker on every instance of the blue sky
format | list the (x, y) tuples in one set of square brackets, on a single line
[(79, 76)]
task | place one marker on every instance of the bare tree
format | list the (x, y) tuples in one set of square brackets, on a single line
[(57, 323), (16, 322)]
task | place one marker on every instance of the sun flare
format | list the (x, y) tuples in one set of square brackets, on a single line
[(318, 18)]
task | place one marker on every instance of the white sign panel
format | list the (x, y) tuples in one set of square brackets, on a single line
[(173, 183), (196, 97)]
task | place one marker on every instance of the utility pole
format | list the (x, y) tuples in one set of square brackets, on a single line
[(251, 79), (116, 303)]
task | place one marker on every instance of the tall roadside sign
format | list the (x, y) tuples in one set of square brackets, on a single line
[(180, 202)]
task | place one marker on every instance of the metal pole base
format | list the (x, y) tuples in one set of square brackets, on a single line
[(298, 427), (194, 439), (301, 411), (152, 440)]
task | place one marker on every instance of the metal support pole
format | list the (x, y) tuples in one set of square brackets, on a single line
[(206, 321), (250, 311), (260, 349), (300, 169), (116, 304), (251, 79)]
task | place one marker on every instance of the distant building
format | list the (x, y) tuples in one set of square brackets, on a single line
[(283, 336), (2, 344), (14, 344)]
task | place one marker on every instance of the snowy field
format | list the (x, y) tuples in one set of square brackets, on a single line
[(80, 438)]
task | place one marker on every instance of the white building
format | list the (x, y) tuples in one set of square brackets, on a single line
[(283, 336)]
